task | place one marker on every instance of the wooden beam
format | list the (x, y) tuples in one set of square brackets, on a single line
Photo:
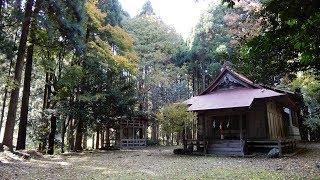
[(205, 138)]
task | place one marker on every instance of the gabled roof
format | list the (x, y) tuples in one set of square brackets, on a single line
[(231, 90), (239, 77), (233, 98)]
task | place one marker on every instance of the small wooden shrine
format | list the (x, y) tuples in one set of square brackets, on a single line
[(236, 116), (133, 133), (123, 133)]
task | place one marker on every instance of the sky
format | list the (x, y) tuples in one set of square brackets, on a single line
[(183, 15)]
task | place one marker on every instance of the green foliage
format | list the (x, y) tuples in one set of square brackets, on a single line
[(160, 81), (210, 41), (69, 81), (113, 10), (147, 9), (310, 88), (174, 118), (68, 18), (289, 39)]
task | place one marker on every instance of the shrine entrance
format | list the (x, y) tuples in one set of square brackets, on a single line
[(227, 127)]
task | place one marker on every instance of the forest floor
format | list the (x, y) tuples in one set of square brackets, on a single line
[(159, 163)]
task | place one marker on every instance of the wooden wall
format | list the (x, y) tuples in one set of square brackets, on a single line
[(275, 121), (256, 121)]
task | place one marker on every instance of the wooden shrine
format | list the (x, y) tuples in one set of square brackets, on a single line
[(133, 133), (236, 116)]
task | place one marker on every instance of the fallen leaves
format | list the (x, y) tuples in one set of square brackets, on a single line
[(158, 163)]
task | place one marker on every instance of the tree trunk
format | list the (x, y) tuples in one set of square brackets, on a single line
[(3, 107), (63, 132), (92, 146), (167, 139), (178, 138), (70, 135), (11, 118), (85, 139), (97, 139), (79, 135), (22, 133), (53, 121), (172, 139), (102, 138), (4, 100), (154, 132), (107, 138)]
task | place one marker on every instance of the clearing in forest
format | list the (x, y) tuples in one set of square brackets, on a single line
[(160, 163)]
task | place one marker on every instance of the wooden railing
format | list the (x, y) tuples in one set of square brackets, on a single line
[(286, 144), (133, 142)]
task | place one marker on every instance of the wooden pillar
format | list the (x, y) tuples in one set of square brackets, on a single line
[(120, 135), (290, 117), (240, 124), (133, 134), (205, 135), (145, 133)]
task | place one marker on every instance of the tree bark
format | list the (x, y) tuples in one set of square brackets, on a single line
[(53, 128), (70, 135), (3, 107), (97, 139), (167, 139), (22, 133), (154, 132), (107, 138), (102, 138), (79, 135), (63, 132), (11, 118), (5, 96), (85, 139)]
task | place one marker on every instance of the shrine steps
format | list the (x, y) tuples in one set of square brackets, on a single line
[(226, 148)]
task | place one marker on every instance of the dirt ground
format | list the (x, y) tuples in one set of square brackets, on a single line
[(159, 163)]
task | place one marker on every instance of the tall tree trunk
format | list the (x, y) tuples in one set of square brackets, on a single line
[(63, 132), (168, 139), (171, 139), (70, 135), (46, 105), (97, 139), (85, 140), (4, 100), (107, 138), (53, 128), (79, 134), (178, 138), (5, 96), (22, 133), (11, 118), (102, 138), (154, 132)]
